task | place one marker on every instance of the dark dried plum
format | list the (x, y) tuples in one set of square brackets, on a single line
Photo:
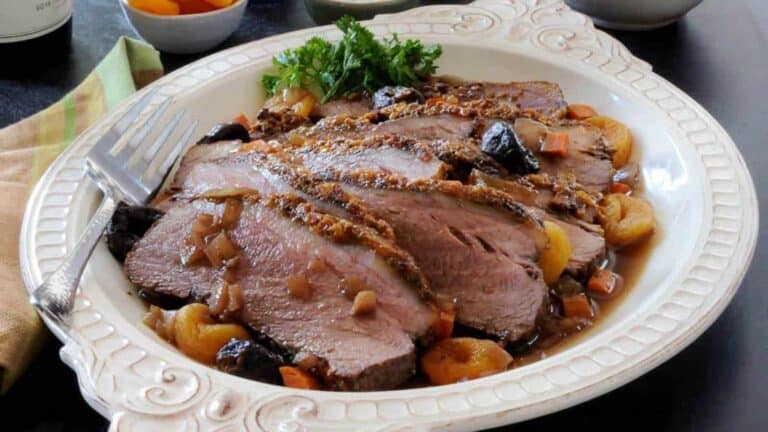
[(391, 95), (128, 224), (247, 359), (226, 132), (501, 143)]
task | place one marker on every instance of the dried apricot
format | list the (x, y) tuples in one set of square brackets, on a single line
[(199, 337), (618, 136), (457, 359), (626, 220), (554, 258)]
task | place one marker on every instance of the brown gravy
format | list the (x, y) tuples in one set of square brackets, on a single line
[(629, 263)]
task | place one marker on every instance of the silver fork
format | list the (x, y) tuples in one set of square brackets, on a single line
[(122, 174)]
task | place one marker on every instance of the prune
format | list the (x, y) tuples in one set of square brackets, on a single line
[(128, 225), (248, 359), (391, 95), (226, 132), (501, 143)]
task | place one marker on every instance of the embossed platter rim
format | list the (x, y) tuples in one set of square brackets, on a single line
[(142, 384)]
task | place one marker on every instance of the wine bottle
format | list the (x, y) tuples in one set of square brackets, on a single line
[(33, 32)]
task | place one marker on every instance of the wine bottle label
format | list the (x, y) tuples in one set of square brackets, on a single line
[(27, 19)]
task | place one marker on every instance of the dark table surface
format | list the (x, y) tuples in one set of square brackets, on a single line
[(718, 54)]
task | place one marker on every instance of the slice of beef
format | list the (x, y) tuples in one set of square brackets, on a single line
[(249, 171), (448, 135), (545, 195), (474, 244), (588, 159), (439, 127), (201, 153), (278, 238), (388, 154), (478, 256), (561, 194), (536, 99)]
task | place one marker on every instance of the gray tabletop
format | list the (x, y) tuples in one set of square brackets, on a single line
[(718, 54)]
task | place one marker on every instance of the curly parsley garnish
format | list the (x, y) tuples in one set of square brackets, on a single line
[(357, 63)]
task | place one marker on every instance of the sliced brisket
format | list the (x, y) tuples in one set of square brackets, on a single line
[(474, 244), (447, 135), (556, 200), (536, 99), (278, 238)]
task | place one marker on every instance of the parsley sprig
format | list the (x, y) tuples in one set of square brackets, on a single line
[(355, 64)]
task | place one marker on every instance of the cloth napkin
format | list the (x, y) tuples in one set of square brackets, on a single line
[(26, 150)]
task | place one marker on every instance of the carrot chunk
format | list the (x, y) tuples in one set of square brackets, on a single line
[(620, 188), (444, 325), (577, 306), (555, 144), (296, 378), (603, 283), (436, 100), (580, 112)]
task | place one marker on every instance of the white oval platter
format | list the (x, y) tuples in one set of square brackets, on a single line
[(692, 171)]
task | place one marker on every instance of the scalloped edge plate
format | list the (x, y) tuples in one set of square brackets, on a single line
[(694, 176)]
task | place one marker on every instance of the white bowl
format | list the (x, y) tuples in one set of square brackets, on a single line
[(693, 174), (185, 34), (634, 15)]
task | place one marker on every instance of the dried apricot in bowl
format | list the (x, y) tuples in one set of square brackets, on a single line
[(195, 6), (626, 220), (457, 359), (618, 136), (159, 7), (179, 7), (220, 3)]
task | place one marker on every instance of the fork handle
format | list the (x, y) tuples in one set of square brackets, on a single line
[(55, 298)]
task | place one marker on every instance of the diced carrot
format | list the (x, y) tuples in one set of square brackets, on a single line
[(444, 325), (580, 112), (296, 378), (436, 100), (577, 306), (243, 120), (620, 188), (603, 283), (555, 144)]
